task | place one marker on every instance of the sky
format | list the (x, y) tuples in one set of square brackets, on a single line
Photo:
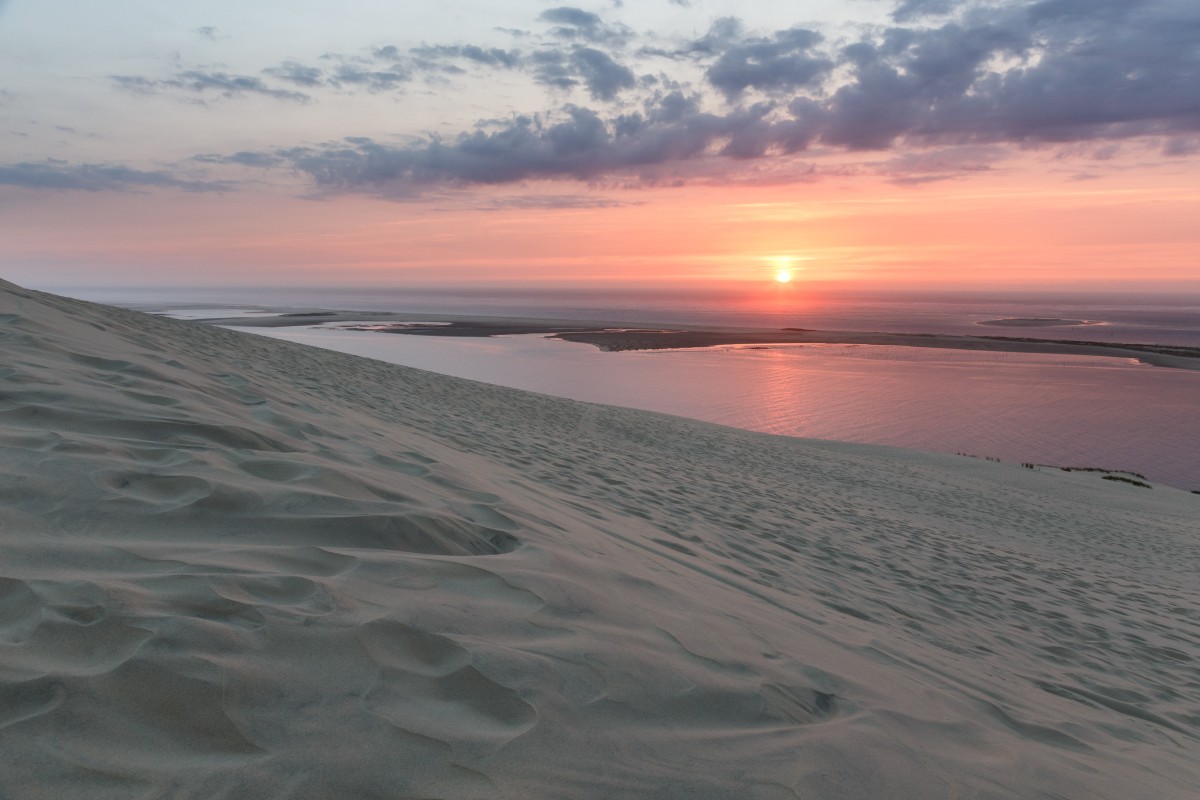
[(1052, 144)]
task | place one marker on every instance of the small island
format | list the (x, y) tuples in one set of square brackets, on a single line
[(1036, 322)]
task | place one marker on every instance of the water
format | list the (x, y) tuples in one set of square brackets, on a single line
[(1049, 409), (1147, 319)]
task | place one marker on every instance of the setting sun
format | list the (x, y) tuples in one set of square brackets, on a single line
[(783, 266)]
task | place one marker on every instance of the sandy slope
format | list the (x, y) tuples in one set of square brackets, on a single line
[(237, 567)]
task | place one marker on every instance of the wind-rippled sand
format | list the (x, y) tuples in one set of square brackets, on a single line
[(235, 567)]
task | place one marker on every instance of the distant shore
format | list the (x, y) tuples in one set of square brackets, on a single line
[(1036, 322), (618, 336)]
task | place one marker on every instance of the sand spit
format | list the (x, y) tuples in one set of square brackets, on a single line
[(1158, 355), (1036, 322), (622, 336), (237, 567)]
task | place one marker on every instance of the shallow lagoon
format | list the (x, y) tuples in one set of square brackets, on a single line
[(1048, 409)]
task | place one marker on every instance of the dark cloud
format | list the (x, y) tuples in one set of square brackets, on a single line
[(1052, 72), (207, 31), (492, 56), (722, 33), (1096, 70), (1058, 71), (786, 61), (959, 91), (908, 10), (200, 82), (582, 146), (582, 22), (388, 53), (602, 76), (911, 83), (56, 174), (577, 24), (553, 68), (596, 70)]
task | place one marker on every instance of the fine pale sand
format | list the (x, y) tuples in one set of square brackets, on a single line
[(233, 567)]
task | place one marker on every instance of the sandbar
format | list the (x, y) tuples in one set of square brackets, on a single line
[(623, 336)]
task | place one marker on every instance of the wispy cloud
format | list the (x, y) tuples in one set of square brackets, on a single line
[(242, 159), (99, 177), (485, 56), (542, 201), (297, 73), (200, 82)]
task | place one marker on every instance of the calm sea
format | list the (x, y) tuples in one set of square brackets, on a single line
[(1060, 410)]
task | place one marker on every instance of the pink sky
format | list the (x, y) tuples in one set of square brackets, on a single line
[(1014, 228), (605, 145)]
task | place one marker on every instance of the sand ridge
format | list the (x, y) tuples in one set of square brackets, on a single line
[(233, 566)]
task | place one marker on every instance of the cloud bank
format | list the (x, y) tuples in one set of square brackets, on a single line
[(944, 75), (1053, 72)]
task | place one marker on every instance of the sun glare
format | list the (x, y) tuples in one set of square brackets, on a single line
[(784, 270)]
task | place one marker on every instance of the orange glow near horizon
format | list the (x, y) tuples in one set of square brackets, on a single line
[(1018, 228)]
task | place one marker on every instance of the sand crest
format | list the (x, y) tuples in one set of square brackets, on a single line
[(237, 567)]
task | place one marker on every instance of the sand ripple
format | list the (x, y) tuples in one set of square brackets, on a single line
[(235, 567)]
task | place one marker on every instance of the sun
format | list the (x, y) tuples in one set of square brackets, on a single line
[(784, 268)]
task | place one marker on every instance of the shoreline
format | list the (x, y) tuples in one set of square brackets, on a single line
[(618, 337), (275, 565)]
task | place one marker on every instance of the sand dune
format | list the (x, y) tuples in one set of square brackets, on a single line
[(235, 567)]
